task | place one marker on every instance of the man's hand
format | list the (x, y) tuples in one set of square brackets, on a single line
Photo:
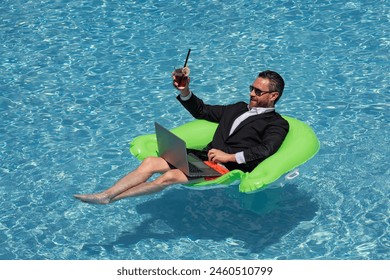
[(181, 80), (218, 156)]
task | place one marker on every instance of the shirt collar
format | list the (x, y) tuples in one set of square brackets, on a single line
[(261, 110)]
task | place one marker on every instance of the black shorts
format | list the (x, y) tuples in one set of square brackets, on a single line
[(246, 167)]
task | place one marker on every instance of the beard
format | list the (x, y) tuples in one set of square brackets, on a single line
[(255, 102)]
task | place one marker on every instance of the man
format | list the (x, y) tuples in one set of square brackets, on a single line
[(245, 136)]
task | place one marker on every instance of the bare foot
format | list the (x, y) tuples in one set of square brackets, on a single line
[(98, 198)]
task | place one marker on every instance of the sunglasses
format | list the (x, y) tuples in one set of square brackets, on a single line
[(258, 92)]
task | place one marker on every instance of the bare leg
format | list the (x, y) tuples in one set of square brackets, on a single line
[(147, 168), (173, 176)]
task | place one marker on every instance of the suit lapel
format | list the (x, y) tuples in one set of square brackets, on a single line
[(249, 120), (234, 115)]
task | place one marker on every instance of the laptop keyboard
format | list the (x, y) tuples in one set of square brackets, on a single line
[(193, 168)]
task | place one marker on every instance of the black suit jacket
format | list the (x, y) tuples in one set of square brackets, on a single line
[(258, 136)]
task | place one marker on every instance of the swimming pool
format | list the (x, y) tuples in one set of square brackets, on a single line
[(80, 79)]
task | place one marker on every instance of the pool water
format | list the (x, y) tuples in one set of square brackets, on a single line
[(81, 79)]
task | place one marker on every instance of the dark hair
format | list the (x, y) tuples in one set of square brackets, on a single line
[(276, 81)]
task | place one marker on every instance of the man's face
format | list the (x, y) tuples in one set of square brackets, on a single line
[(261, 96)]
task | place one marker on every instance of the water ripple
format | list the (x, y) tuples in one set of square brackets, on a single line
[(80, 79)]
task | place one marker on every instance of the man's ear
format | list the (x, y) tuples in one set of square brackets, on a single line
[(274, 95)]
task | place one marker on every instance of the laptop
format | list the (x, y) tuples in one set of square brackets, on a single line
[(173, 149)]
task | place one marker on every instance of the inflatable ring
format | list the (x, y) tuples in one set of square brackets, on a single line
[(300, 145)]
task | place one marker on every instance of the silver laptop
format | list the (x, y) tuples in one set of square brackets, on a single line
[(173, 150)]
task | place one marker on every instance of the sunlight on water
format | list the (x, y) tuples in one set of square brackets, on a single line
[(81, 79)]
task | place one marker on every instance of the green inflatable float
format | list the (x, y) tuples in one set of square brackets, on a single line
[(299, 146)]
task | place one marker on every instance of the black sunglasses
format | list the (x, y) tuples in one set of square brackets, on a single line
[(258, 92)]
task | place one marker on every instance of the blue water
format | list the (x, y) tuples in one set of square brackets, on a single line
[(80, 79)]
